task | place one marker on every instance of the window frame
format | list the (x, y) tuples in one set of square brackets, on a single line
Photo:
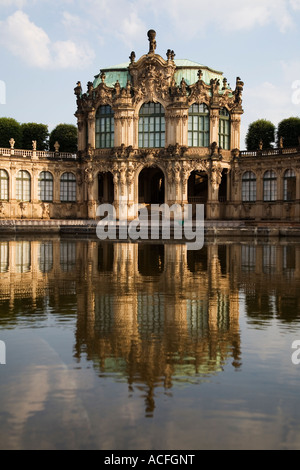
[(270, 186), (225, 133), (45, 189), (152, 126), (199, 125), (249, 187), (23, 193), (68, 188), (4, 185), (105, 127), (288, 176)]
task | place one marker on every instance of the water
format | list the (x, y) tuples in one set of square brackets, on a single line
[(143, 346)]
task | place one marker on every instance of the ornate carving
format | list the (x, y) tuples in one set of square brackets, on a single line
[(88, 176), (216, 176)]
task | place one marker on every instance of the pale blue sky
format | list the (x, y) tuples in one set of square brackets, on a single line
[(46, 46)]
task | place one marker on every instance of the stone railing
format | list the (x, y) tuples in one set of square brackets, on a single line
[(270, 152), (37, 154)]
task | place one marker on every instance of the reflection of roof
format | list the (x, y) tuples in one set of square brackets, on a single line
[(186, 69)]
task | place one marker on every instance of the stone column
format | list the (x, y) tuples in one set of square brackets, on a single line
[(92, 129), (214, 125), (81, 123), (235, 139), (214, 181)]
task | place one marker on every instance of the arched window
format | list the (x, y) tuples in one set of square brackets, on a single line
[(23, 257), (224, 129), (3, 185), (46, 257), (199, 126), (68, 188), (249, 187), (46, 186), (4, 257), (152, 126), (270, 186), (289, 186), (105, 128), (23, 186)]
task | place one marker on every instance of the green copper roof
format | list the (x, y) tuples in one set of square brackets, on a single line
[(186, 69)]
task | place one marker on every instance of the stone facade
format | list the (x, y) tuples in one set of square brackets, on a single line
[(154, 130)]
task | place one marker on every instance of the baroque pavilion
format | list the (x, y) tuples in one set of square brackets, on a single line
[(151, 131)]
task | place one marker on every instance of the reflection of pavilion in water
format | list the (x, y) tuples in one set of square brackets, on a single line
[(156, 315), (171, 317)]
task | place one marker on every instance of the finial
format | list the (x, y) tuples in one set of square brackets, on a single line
[(103, 77), (151, 37), (132, 57), (200, 74)]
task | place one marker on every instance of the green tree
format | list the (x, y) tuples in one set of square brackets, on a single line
[(66, 136), (32, 131), (260, 130), (289, 130), (10, 128)]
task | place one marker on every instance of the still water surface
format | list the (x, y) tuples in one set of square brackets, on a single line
[(142, 346)]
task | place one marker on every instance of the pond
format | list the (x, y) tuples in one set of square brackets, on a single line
[(118, 346)]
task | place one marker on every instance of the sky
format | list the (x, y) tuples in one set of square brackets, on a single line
[(46, 46)]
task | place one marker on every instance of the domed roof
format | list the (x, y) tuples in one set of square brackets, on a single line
[(186, 69)]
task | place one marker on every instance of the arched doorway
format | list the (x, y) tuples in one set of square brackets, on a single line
[(198, 189), (105, 188), (151, 186)]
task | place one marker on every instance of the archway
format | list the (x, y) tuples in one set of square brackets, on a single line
[(198, 190), (223, 186), (198, 187), (105, 188), (151, 186)]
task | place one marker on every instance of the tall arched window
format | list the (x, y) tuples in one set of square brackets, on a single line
[(3, 185), (105, 128), (270, 186), (46, 257), (249, 187), (23, 186), (23, 257), (68, 188), (199, 126), (46, 186), (152, 126), (289, 185), (224, 129)]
